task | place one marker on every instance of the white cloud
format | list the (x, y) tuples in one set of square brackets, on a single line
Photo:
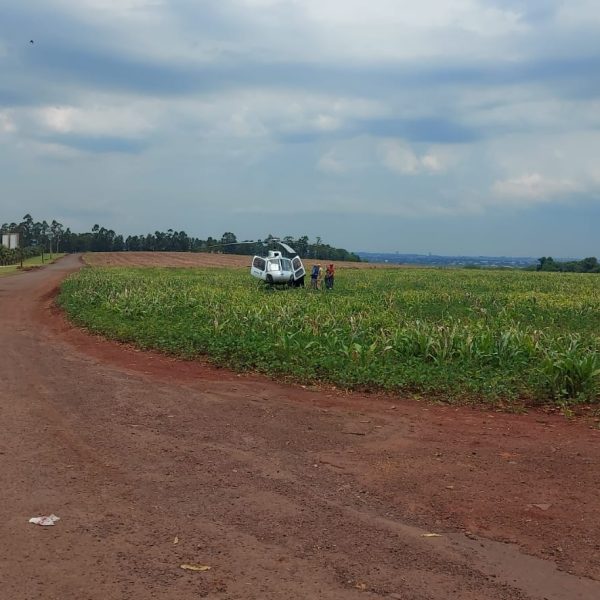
[(327, 122), (578, 12), (95, 120), (49, 150), (7, 125), (398, 156), (330, 163), (242, 123), (432, 163), (113, 8), (543, 167), (381, 29), (264, 113), (262, 116), (472, 15), (534, 187)]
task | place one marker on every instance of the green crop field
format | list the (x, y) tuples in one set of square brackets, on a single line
[(457, 334)]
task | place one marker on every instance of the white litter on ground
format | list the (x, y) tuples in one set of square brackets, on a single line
[(44, 521)]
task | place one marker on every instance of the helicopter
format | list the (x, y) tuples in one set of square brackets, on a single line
[(275, 268)]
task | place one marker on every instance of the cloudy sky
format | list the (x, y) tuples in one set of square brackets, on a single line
[(443, 126)]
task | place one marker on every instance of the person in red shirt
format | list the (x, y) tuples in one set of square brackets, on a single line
[(329, 276)]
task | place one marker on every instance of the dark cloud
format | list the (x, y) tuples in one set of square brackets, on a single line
[(430, 129), (98, 144), (104, 69), (433, 130), (11, 97), (71, 56)]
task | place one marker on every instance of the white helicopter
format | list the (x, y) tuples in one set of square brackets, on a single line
[(275, 268)]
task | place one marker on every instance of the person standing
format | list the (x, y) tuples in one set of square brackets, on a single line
[(314, 276), (320, 278), (329, 276)]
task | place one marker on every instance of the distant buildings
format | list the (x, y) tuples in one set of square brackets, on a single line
[(432, 260), (10, 240)]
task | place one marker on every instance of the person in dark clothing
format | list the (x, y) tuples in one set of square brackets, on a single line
[(329, 276), (314, 276)]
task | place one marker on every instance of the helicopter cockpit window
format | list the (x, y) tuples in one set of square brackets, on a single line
[(297, 263), (274, 265), (286, 264), (259, 263)]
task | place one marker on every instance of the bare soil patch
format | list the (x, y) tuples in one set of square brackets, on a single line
[(198, 259)]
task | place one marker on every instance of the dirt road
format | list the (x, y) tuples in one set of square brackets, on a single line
[(286, 493)]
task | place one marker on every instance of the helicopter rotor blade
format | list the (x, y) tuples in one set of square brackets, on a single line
[(262, 242), (233, 244), (287, 248)]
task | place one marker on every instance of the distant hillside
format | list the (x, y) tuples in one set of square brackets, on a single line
[(448, 261)]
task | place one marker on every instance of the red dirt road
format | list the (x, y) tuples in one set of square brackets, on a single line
[(286, 493)]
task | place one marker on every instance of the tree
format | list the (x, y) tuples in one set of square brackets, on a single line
[(229, 243), (25, 228), (546, 263), (56, 230), (590, 265), (301, 246)]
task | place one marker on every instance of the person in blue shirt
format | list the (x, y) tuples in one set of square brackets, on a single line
[(314, 277)]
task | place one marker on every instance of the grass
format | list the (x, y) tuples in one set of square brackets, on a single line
[(485, 335), (28, 263)]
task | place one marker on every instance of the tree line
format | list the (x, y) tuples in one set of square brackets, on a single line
[(587, 265), (40, 236)]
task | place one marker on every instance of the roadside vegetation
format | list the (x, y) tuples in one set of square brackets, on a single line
[(481, 335), (13, 256), (29, 263)]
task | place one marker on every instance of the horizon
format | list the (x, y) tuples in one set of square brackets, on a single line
[(240, 239)]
